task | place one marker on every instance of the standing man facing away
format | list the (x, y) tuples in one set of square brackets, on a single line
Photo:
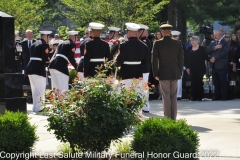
[(218, 51), (167, 61), (64, 55), (133, 57), (96, 51), (36, 70), (26, 52)]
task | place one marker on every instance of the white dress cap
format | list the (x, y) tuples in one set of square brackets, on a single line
[(16, 31), (45, 32), (96, 26), (115, 29), (132, 26), (57, 42), (143, 26), (176, 33), (73, 33)]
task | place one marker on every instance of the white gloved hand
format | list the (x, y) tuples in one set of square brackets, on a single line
[(46, 69), (184, 68)]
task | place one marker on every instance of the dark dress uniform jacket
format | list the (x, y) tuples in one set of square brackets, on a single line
[(167, 59), (26, 52), (39, 49), (95, 49), (133, 51), (220, 55), (82, 48), (66, 48)]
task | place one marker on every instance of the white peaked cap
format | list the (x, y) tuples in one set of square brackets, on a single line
[(57, 42), (114, 29), (132, 26), (176, 33), (16, 31), (45, 32), (72, 33), (96, 26), (143, 26)]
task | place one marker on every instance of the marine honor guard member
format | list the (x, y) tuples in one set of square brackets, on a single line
[(82, 48), (133, 57), (64, 55), (113, 34), (176, 36), (96, 51), (143, 34), (36, 70)]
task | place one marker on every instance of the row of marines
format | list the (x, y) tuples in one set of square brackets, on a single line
[(133, 57)]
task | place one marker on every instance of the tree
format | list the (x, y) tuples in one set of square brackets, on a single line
[(113, 12), (25, 13)]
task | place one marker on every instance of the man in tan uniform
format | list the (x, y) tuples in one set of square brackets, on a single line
[(167, 61)]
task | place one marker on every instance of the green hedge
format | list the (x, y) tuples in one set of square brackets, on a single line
[(165, 136), (17, 135)]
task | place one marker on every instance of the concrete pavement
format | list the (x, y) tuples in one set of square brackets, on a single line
[(217, 122)]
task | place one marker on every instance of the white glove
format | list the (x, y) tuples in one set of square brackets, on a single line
[(145, 77), (46, 69), (184, 68)]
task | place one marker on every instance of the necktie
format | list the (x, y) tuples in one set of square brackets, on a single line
[(29, 44)]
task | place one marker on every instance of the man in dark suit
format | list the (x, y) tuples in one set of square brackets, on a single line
[(218, 51), (167, 61), (26, 53)]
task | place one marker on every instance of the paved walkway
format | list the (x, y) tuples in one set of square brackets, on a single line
[(218, 124)]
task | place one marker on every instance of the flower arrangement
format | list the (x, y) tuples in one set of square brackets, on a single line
[(94, 112)]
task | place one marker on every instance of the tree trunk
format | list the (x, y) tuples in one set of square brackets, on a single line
[(172, 13), (181, 24)]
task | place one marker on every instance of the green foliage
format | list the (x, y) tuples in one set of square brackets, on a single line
[(165, 136), (94, 112), (63, 31), (17, 135), (114, 12), (81, 30), (25, 12), (123, 147), (72, 76)]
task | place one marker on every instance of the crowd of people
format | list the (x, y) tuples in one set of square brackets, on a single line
[(160, 58)]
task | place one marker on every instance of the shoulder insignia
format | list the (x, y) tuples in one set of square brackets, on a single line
[(46, 51)]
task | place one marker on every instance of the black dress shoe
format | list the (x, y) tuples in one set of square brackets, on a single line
[(193, 99), (199, 99), (145, 111), (179, 98)]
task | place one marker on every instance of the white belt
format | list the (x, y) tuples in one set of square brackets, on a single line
[(82, 57), (61, 55), (127, 62), (97, 60), (35, 58)]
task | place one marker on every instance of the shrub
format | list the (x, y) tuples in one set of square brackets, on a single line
[(17, 135), (165, 136), (92, 114), (122, 146), (72, 76)]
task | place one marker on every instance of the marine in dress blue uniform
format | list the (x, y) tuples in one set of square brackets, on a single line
[(96, 51), (143, 34), (82, 49), (36, 70), (63, 55), (133, 57)]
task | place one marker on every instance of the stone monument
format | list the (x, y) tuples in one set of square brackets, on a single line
[(11, 89)]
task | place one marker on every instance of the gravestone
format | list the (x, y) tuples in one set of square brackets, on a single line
[(11, 89)]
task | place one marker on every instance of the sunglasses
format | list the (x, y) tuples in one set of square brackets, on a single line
[(189, 36)]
